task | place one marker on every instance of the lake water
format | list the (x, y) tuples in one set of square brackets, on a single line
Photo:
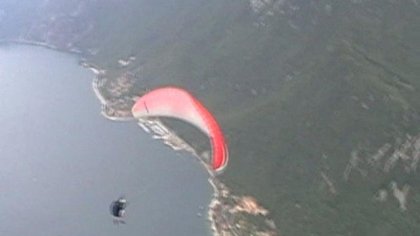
[(62, 163)]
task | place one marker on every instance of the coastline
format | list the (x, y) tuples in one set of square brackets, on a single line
[(145, 126), (160, 131), (226, 211), (102, 100), (74, 51)]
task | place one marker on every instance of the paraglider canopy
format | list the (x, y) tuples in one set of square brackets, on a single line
[(178, 103)]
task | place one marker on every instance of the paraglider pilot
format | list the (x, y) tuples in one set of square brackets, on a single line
[(118, 209)]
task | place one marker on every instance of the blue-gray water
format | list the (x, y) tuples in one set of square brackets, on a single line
[(62, 163)]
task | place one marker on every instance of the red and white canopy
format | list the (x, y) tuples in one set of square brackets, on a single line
[(178, 103)]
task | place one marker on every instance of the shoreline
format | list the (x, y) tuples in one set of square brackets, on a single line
[(102, 100), (160, 131), (224, 207), (222, 201), (74, 51), (225, 210)]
